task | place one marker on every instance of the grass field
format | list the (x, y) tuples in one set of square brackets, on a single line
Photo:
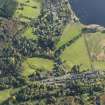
[(76, 54), (70, 31), (96, 45), (96, 42), (30, 65), (27, 10)]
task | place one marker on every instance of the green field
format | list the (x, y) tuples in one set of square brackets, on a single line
[(76, 54), (96, 44), (25, 9), (30, 65), (28, 11), (70, 31)]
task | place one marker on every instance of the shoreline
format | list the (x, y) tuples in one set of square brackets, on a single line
[(74, 17)]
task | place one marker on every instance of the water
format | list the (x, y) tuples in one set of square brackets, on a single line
[(90, 11)]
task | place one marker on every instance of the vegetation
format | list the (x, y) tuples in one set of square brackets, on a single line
[(70, 31), (5, 95), (46, 57), (95, 43), (7, 8), (76, 54), (29, 33), (30, 65), (27, 10)]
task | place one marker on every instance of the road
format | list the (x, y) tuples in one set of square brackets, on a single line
[(83, 76)]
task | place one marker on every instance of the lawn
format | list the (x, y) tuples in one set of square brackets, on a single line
[(76, 54), (70, 31), (30, 65), (27, 10)]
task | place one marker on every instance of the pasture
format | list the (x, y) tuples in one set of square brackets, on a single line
[(76, 54), (96, 45), (70, 31)]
